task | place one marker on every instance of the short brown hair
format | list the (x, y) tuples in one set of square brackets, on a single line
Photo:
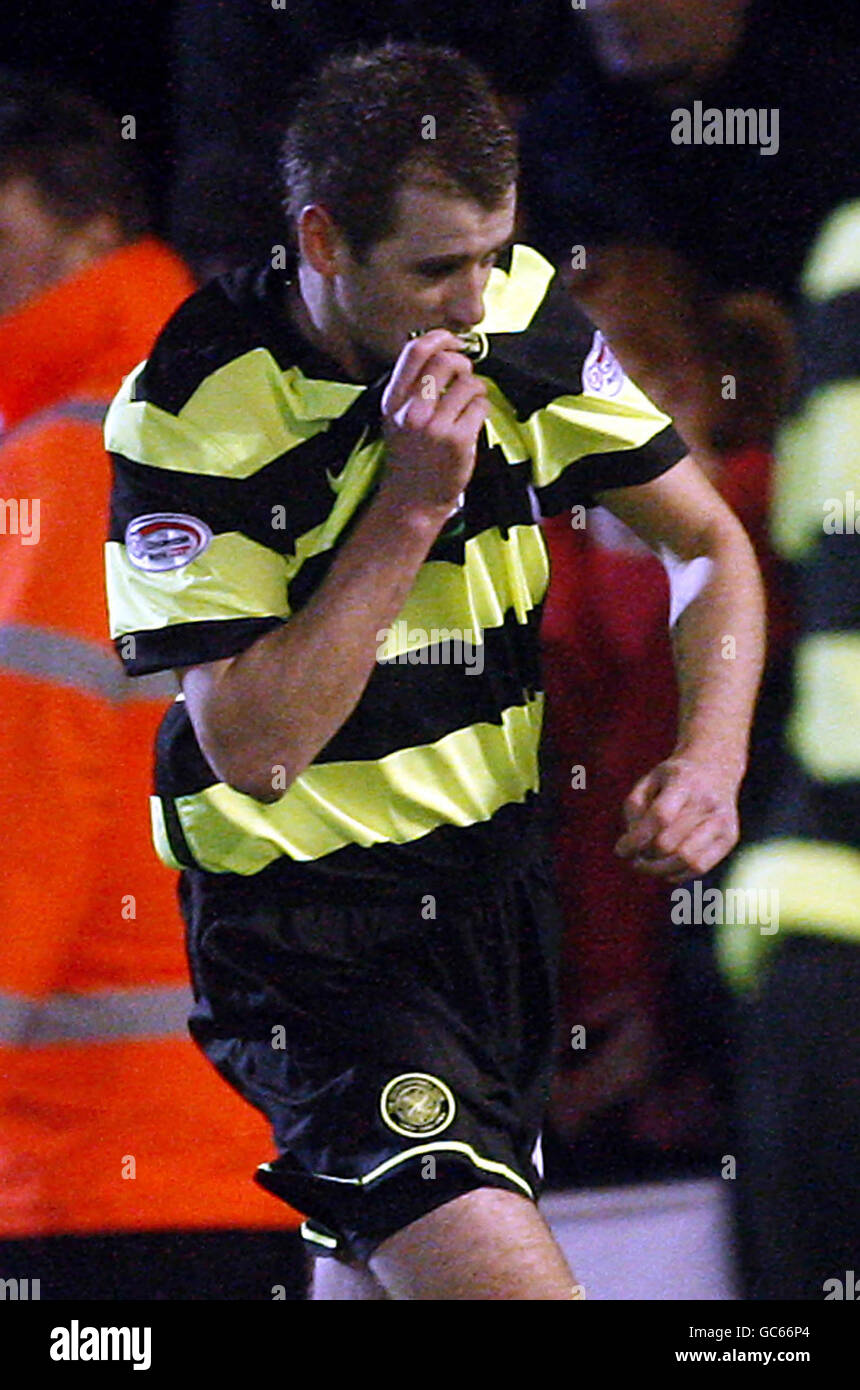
[(375, 117), (72, 151)]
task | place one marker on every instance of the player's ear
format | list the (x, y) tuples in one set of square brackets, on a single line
[(321, 243)]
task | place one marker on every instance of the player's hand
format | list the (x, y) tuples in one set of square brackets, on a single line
[(433, 409), (682, 819)]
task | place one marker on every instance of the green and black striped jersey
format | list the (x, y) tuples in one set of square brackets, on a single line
[(243, 459), (809, 852)]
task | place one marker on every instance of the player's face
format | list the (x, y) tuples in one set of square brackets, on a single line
[(430, 272)]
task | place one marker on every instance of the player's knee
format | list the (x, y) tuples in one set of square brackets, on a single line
[(486, 1244), (344, 1279)]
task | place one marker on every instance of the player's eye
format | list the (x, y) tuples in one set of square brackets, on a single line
[(439, 270), (436, 270)]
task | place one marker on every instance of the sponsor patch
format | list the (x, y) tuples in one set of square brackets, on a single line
[(416, 1103), (164, 541), (602, 373)]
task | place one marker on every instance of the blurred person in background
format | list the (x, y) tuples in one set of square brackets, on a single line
[(694, 227), (110, 1123), (797, 1047), (238, 69), (687, 256)]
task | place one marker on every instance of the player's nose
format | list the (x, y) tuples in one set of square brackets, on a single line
[(465, 306)]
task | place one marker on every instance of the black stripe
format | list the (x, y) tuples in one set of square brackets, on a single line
[(533, 367), (179, 847), (496, 498), (259, 293), (832, 342), (831, 583), (234, 314), (180, 766), (625, 467), (525, 392), (581, 481), (204, 334), (469, 860), (190, 644), (296, 481), (422, 704), (802, 808)]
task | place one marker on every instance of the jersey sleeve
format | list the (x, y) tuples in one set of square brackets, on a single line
[(190, 578), (235, 473), (561, 401)]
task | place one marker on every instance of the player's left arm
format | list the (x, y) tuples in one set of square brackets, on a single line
[(682, 817)]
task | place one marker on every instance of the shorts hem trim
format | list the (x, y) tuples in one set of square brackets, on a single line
[(316, 1237), (488, 1165)]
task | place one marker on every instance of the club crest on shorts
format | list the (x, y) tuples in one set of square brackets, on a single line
[(416, 1103), (602, 373), (163, 541)]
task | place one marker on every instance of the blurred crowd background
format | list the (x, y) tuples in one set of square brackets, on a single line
[(727, 280)]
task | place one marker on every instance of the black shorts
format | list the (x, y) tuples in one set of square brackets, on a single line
[(401, 1049)]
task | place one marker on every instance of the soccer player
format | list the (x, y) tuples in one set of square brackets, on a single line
[(324, 519)]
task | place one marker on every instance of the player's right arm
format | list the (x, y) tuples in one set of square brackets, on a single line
[(261, 717)]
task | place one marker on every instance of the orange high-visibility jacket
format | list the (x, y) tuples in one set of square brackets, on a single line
[(110, 1119)]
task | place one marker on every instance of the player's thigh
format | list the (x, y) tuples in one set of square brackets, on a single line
[(485, 1244), (341, 1280)]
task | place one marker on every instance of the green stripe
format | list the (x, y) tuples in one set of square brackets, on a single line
[(237, 577), (497, 576), (249, 412), (103, 1015), (818, 884), (350, 487), (824, 727), (487, 1165), (315, 1237), (233, 578), (73, 663), (238, 420), (817, 461), (834, 265), (513, 297), (461, 779), (571, 428)]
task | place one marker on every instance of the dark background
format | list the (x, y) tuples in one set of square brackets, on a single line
[(119, 53)]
